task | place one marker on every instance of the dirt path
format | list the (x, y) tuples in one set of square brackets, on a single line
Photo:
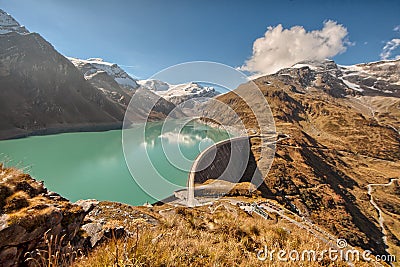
[(381, 220)]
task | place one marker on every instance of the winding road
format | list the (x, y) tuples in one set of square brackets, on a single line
[(381, 220)]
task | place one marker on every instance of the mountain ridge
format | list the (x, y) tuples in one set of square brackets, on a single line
[(342, 126), (9, 24), (43, 92), (336, 147)]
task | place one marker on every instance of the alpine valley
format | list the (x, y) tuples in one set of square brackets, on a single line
[(337, 168)]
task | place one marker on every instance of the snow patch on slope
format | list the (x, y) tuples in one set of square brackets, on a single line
[(188, 89), (387, 70), (154, 85), (352, 85), (302, 65), (92, 66), (178, 91), (380, 76), (369, 78)]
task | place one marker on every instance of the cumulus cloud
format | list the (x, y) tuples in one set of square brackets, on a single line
[(280, 48)]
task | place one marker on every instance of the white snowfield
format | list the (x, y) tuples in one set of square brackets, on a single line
[(354, 76), (387, 70), (9, 24), (154, 85), (319, 66), (92, 66), (187, 90), (302, 65), (351, 85), (96, 65)]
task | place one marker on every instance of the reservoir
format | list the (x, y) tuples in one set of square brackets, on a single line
[(91, 165)]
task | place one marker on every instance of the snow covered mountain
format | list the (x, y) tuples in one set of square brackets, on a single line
[(43, 92), (93, 66), (108, 78), (178, 93), (100, 74), (154, 85), (117, 84), (375, 78), (9, 24)]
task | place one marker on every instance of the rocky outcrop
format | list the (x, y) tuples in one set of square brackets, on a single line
[(375, 78), (32, 217), (106, 84), (105, 220), (29, 212)]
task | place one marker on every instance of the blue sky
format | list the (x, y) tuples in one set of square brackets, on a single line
[(152, 35)]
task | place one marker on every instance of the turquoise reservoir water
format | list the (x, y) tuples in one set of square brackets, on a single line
[(92, 165)]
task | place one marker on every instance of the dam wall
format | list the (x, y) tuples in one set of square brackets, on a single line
[(227, 160), (230, 160)]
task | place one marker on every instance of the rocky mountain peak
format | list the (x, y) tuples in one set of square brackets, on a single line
[(9, 24), (375, 78), (178, 93), (154, 85), (92, 66), (317, 65)]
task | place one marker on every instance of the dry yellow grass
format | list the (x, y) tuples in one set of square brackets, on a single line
[(199, 237), (336, 147), (55, 254)]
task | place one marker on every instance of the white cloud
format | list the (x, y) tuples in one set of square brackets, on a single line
[(280, 48), (397, 28), (389, 47)]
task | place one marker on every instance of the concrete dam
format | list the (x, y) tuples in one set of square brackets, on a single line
[(230, 161)]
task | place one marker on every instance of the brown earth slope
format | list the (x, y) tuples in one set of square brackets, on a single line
[(334, 151)]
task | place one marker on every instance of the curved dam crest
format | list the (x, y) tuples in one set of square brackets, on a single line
[(230, 160)]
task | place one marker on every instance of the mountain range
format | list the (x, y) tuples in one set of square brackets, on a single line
[(342, 124), (42, 91), (342, 148)]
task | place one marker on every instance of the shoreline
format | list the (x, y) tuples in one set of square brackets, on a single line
[(232, 130), (18, 133), (77, 128), (101, 127)]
